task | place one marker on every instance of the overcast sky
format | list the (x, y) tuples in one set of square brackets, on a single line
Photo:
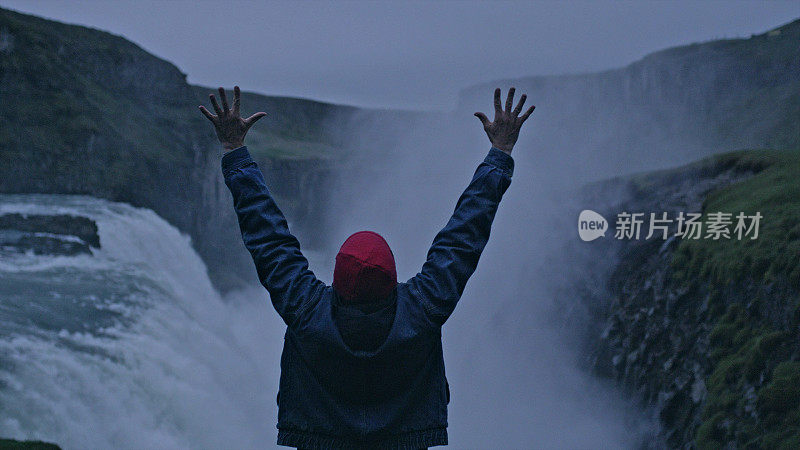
[(405, 54)]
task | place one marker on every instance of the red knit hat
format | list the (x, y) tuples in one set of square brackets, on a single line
[(365, 269)]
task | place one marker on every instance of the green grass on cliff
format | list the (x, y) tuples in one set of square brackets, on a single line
[(264, 144), (753, 390), (88, 112), (743, 352), (775, 193), (294, 128), (779, 404)]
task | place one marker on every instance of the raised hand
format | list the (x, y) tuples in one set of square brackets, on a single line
[(504, 131), (229, 125)]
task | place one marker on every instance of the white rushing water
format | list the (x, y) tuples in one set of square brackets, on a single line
[(131, 347)]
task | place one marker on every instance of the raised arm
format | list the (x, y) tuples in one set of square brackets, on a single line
[(280, 264), (456, 249)]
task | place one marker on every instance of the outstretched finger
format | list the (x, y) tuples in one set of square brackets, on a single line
[(518, 109), (224, 99), (236, 100), (497, 108), (206, 113), (527, 114), (215, 104), (510, 100), (254, 118), (482, 117)]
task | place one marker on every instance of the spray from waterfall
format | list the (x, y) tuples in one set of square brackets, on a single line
[(515, 375), (138, 350)]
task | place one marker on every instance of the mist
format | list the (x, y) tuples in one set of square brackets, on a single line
[(517, 375), (515, 347), (185, 367), (411, 54)]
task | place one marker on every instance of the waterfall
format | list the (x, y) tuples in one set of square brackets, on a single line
[(131, 347)]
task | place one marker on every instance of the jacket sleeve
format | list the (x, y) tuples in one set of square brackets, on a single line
[(280, 264), (455, 251)]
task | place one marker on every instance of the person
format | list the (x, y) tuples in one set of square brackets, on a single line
[(362, 363)]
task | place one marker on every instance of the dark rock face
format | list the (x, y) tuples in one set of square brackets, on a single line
[(654, 335), (48, 235), (674, 105), (80, 227), (655, 340), (91, 113), (95, 114), (12, 444), (301, 188), (706, 355)]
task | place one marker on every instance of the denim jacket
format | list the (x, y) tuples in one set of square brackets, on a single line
[(393, 395)]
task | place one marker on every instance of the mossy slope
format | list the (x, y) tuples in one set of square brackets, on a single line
[(707, 330), (753, 393)]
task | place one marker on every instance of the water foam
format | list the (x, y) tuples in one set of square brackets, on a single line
[(131, 347)]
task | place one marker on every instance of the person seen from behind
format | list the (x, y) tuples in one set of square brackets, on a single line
[(362, 364)]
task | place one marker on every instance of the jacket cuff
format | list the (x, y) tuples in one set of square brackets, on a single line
[(235, 159), (501, 160)]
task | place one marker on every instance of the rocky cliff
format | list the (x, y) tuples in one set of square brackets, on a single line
[(87, 112), (11, 444), (703, 331), (672, 106), (706, 331)]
